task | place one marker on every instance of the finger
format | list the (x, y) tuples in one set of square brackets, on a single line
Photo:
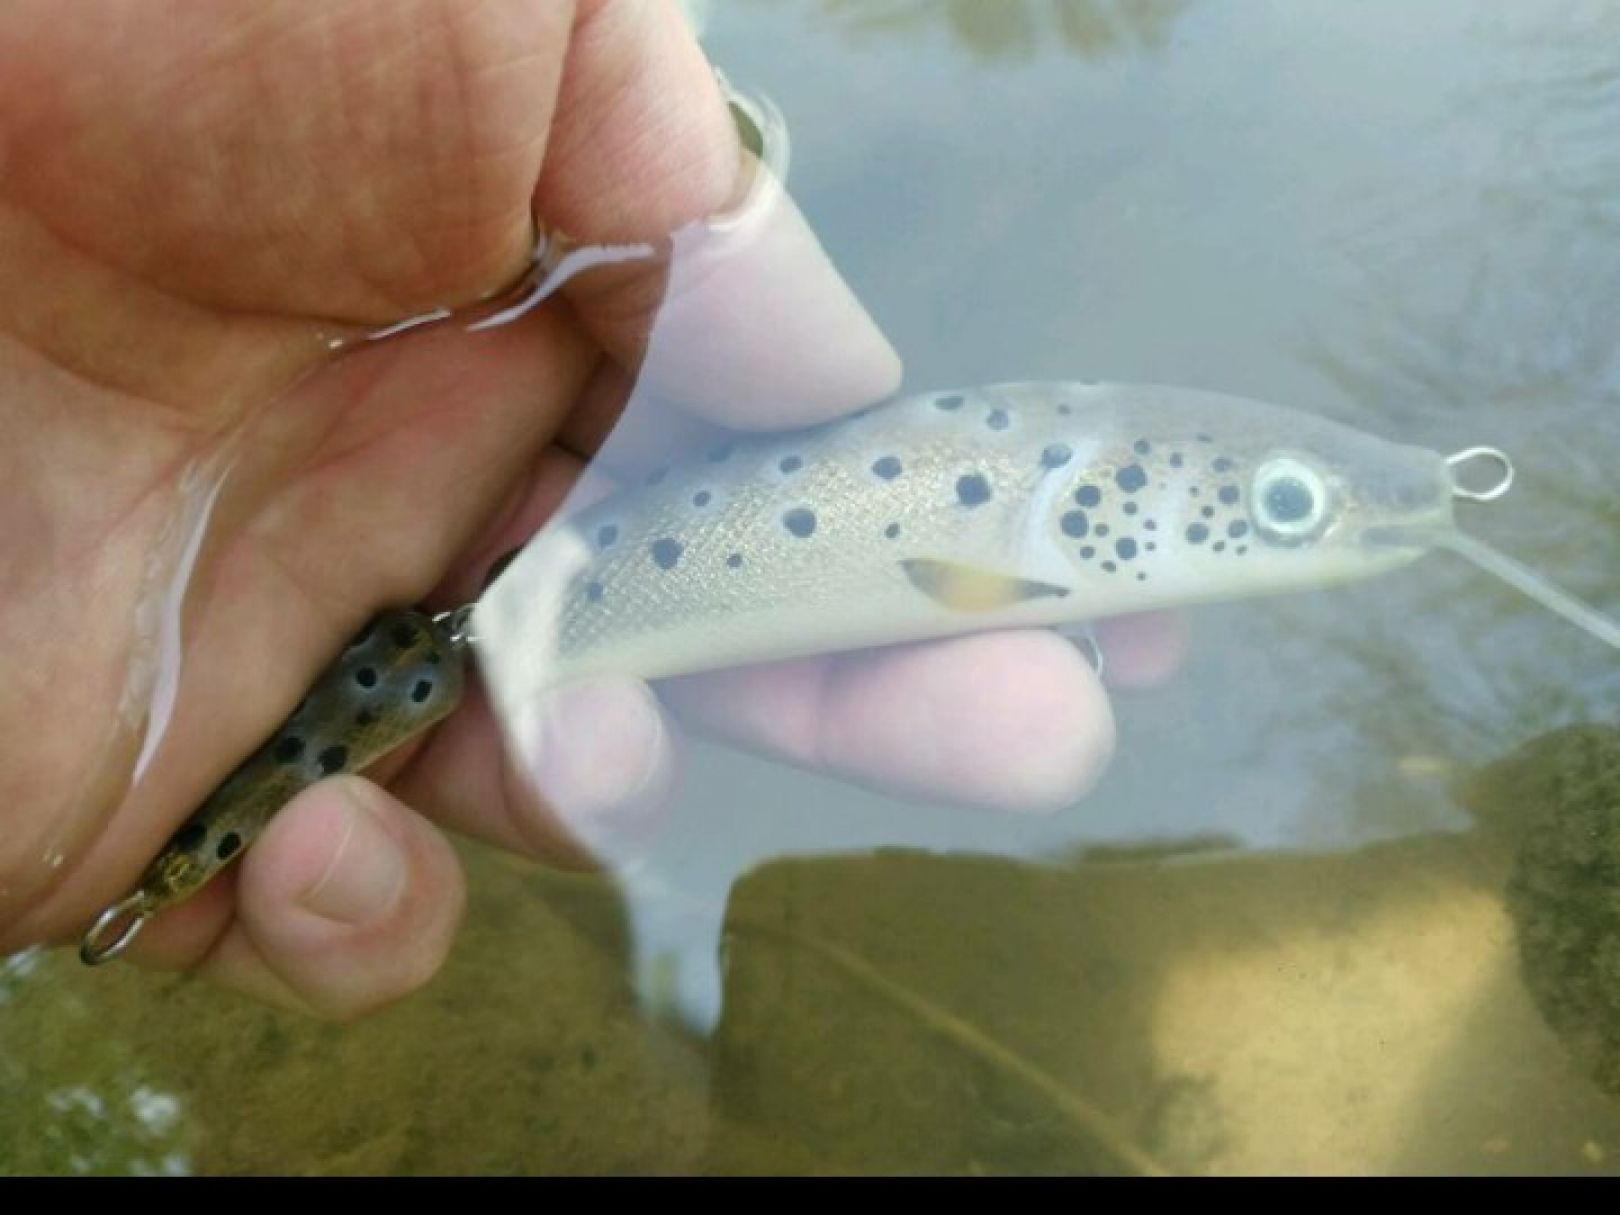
[(1011, 721), (348, 901), (746, 311), (588, 778), (584, 774), (554, 475), (399, 183), (413, 444), (756, 329), (1143, 651), (646, 431), (642, 141)]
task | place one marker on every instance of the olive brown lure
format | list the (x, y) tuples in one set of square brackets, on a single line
[(401, 674)]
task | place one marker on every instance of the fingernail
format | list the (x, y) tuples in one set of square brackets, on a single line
[(366, 875)]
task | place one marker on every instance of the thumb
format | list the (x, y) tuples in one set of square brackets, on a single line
[(349, 901)]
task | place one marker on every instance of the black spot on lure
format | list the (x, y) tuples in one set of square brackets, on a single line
[(402, 673), (1017, 505)]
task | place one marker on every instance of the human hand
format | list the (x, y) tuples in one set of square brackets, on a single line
[(194, 199)]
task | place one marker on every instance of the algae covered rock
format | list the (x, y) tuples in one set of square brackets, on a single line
[(1560, 795)]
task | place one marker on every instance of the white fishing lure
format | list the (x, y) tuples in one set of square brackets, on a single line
[(1014, 505)]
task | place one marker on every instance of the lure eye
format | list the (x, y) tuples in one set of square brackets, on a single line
[(1290, 500)]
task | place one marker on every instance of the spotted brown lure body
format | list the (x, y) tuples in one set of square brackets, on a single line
[(403, 672)]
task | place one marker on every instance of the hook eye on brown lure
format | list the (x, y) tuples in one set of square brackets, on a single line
[(402, 673)]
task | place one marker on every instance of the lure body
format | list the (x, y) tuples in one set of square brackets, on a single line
[(1014, 505), (402, 673), (1025, 504)]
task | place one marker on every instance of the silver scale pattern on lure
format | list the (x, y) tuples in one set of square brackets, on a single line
[(1016, 505), (1033, 504)]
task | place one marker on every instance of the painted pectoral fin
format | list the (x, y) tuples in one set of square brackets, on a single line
[(971, 588)]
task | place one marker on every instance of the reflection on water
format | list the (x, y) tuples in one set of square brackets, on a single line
[(1401, 216), (1508, 341), (1015, 29)]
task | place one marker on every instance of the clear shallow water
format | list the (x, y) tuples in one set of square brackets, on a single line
[(1405, 217)]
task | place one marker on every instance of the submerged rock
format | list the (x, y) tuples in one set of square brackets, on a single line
[(1559, 795)]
